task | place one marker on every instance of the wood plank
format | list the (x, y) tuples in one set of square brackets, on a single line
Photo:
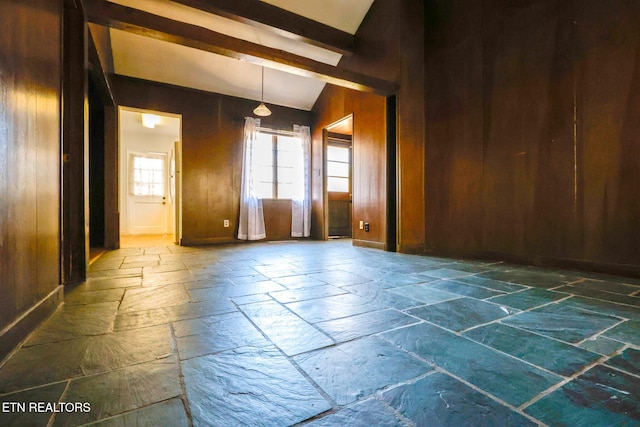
[(274, 19), (160, 28)]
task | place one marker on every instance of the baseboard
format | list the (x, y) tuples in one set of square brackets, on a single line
[(411, 249), (208, 241), (369, 244), (19, 329)]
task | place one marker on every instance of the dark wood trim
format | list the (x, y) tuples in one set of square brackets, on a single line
[(19, 330), (111, 156), (165, 29), (279, 21), (75, 147), (392, 174)]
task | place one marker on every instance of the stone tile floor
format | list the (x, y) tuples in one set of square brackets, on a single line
[(327, 334)]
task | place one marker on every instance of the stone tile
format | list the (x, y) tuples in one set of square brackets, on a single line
[(440, 400), (445, 273), (562, 322), (169, 278), (489, 283), (383, 297), (94, 284), (170, 412), (349, 328), (547, 353), (462, 313), (368, 413), (164, 267), (335, 307), (252, 385), (298, 281), (628, 331), (463, 289), (141, 299), (628, 360), (355, 370), (140, 258), (603, 307), (120, 272), (287, 331), (17, 412), (48, 363), (530, 277), (599, 397), (207, 335), (82, 297), (601, 345), (250, 299), (115, 392), (599, 285), (205, 294), (339, 278), (70, 322), (601, 295), (509, 379), (163, 315), (237, 279), (423, 293), (529, 298), (307, 293)]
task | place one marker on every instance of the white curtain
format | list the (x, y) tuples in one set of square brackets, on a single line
[(251, 226), (301, 203)]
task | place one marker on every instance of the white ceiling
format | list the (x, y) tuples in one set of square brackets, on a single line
[(150, 59), (131, 122)]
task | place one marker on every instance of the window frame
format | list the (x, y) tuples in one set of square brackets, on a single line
[(274, 149)]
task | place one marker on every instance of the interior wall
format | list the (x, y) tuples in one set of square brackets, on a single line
[(30, 85), (390, 46), (140, 142), (532, 131), (369, 160), (212, 129)]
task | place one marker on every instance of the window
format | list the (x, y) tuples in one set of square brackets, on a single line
[(146, 174), (338, 169), (279, 166)]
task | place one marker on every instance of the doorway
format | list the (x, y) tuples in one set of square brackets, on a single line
[(150, 163), (338, 178)]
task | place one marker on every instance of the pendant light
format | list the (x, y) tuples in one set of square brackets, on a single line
[(262, 110)]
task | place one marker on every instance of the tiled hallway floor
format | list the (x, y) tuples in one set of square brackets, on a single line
[(328, 334)]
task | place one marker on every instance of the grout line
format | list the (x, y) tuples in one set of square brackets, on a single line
[(183, 397)]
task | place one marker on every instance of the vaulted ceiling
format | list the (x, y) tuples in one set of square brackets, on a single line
[(221, 45)]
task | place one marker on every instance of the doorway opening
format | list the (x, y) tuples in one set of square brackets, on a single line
[(150, 175), (338, 154)]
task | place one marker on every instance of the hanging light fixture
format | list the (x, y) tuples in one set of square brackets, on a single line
[(262, 110)]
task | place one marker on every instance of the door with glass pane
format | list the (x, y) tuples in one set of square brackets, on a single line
[(339, 187), (148, 185)]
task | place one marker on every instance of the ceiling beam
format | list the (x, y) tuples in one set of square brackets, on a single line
[(280, 21), (142, 23)]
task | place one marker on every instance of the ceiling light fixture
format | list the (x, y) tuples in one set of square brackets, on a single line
[(262, 110), (150, 120)]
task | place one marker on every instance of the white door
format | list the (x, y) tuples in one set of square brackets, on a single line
[(147, 193)]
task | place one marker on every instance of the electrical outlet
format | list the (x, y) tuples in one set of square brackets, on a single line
[(366, 227), (361, 225), (226, 222)]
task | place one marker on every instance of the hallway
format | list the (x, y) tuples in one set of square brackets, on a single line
[(329, 334)]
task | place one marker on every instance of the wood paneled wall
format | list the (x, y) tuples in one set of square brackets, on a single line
[(212, 128), (369, 160), (390, 45), (533, 131), (30, 72)]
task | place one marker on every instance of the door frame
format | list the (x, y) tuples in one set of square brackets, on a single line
[(177, 214), (325, 195)]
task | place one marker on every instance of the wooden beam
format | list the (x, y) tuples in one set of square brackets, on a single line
[(142, 23), (280, 21)]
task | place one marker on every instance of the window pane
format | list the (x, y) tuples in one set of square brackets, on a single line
[(147, 174), (338, 169), (338, 185), (264, 190), (339, 154), (286, 191), (288, 143)]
